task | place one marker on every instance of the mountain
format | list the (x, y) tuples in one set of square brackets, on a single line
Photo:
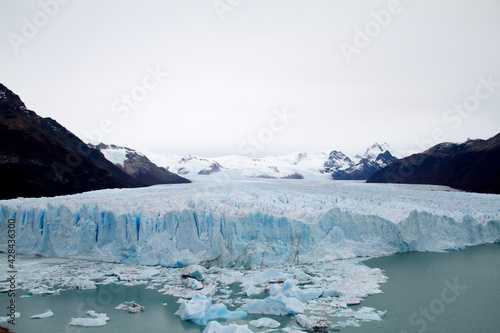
[(139, 166), (471, 166), (39, 157), (212, 168), (305, 164), (342, 167), (286, 166)]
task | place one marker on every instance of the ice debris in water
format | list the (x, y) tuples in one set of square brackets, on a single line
[(200, 310), (85, 285), (215, 327), (131, 307), (313, 322), (7, 318), (278, 305), (265, 322), (323, 289), (99, 319), (46, 314)]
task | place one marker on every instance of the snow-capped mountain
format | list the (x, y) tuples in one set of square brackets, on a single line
[(139, 166), (295, 165), (375, 158), (286, 166)]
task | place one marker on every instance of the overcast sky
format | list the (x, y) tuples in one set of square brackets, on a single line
[(257, 77)]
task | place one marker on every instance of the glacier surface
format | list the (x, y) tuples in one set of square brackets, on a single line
[(227, 222)]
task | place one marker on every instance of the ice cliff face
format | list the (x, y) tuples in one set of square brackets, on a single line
[(250, 223)]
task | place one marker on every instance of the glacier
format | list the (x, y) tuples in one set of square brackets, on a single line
[(227, 222)]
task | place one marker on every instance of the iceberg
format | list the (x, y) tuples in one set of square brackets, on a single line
[(200, 310), (265, 322), (313, 322), (131, 307), (99, 319), (7, 318), (193, 284), (215, 327), (290, 290), (194, 271), (46, 314), (88, 322), (363, 314), (85, 285), (278, 305)]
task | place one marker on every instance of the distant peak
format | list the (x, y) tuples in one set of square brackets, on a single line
[(376, 149)]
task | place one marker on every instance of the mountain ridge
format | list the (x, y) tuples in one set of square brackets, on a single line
[(40, 157), (473, 165)]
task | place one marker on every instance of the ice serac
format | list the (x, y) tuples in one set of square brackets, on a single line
[(250, 224)]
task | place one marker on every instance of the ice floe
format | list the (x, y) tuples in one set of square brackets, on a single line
[(99, 319), (200, 310), (313, 322), (46, 314), (265, 322), (131, 307), (215, 327)]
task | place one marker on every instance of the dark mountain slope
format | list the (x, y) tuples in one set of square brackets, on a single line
[(470, 166), (39, 157), (140, 167)]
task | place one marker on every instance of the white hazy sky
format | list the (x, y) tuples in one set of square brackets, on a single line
[(230, 68)]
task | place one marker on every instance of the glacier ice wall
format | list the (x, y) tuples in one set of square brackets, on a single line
[(192, 236)]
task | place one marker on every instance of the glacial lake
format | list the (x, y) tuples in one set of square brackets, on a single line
[(457, 291)]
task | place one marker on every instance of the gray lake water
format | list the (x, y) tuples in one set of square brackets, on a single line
[(458, 291)]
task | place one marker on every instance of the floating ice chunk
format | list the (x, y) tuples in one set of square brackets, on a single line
[(265, 322), (164, 304), (193, 284), (131, 307), (100, 319), (43, 291), (278, 305), (6, 319), (215, 327), (275, 289), (89, 322), (365, 314), (46, 314), (299, 274), (272, 275), (249, 289), (94, 314), (85, 285), (312, 322), (200, 311), (347, 323), (290, 290), (207, 290), (331, 293), (194, 271), (337, 303), (292, 330)]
